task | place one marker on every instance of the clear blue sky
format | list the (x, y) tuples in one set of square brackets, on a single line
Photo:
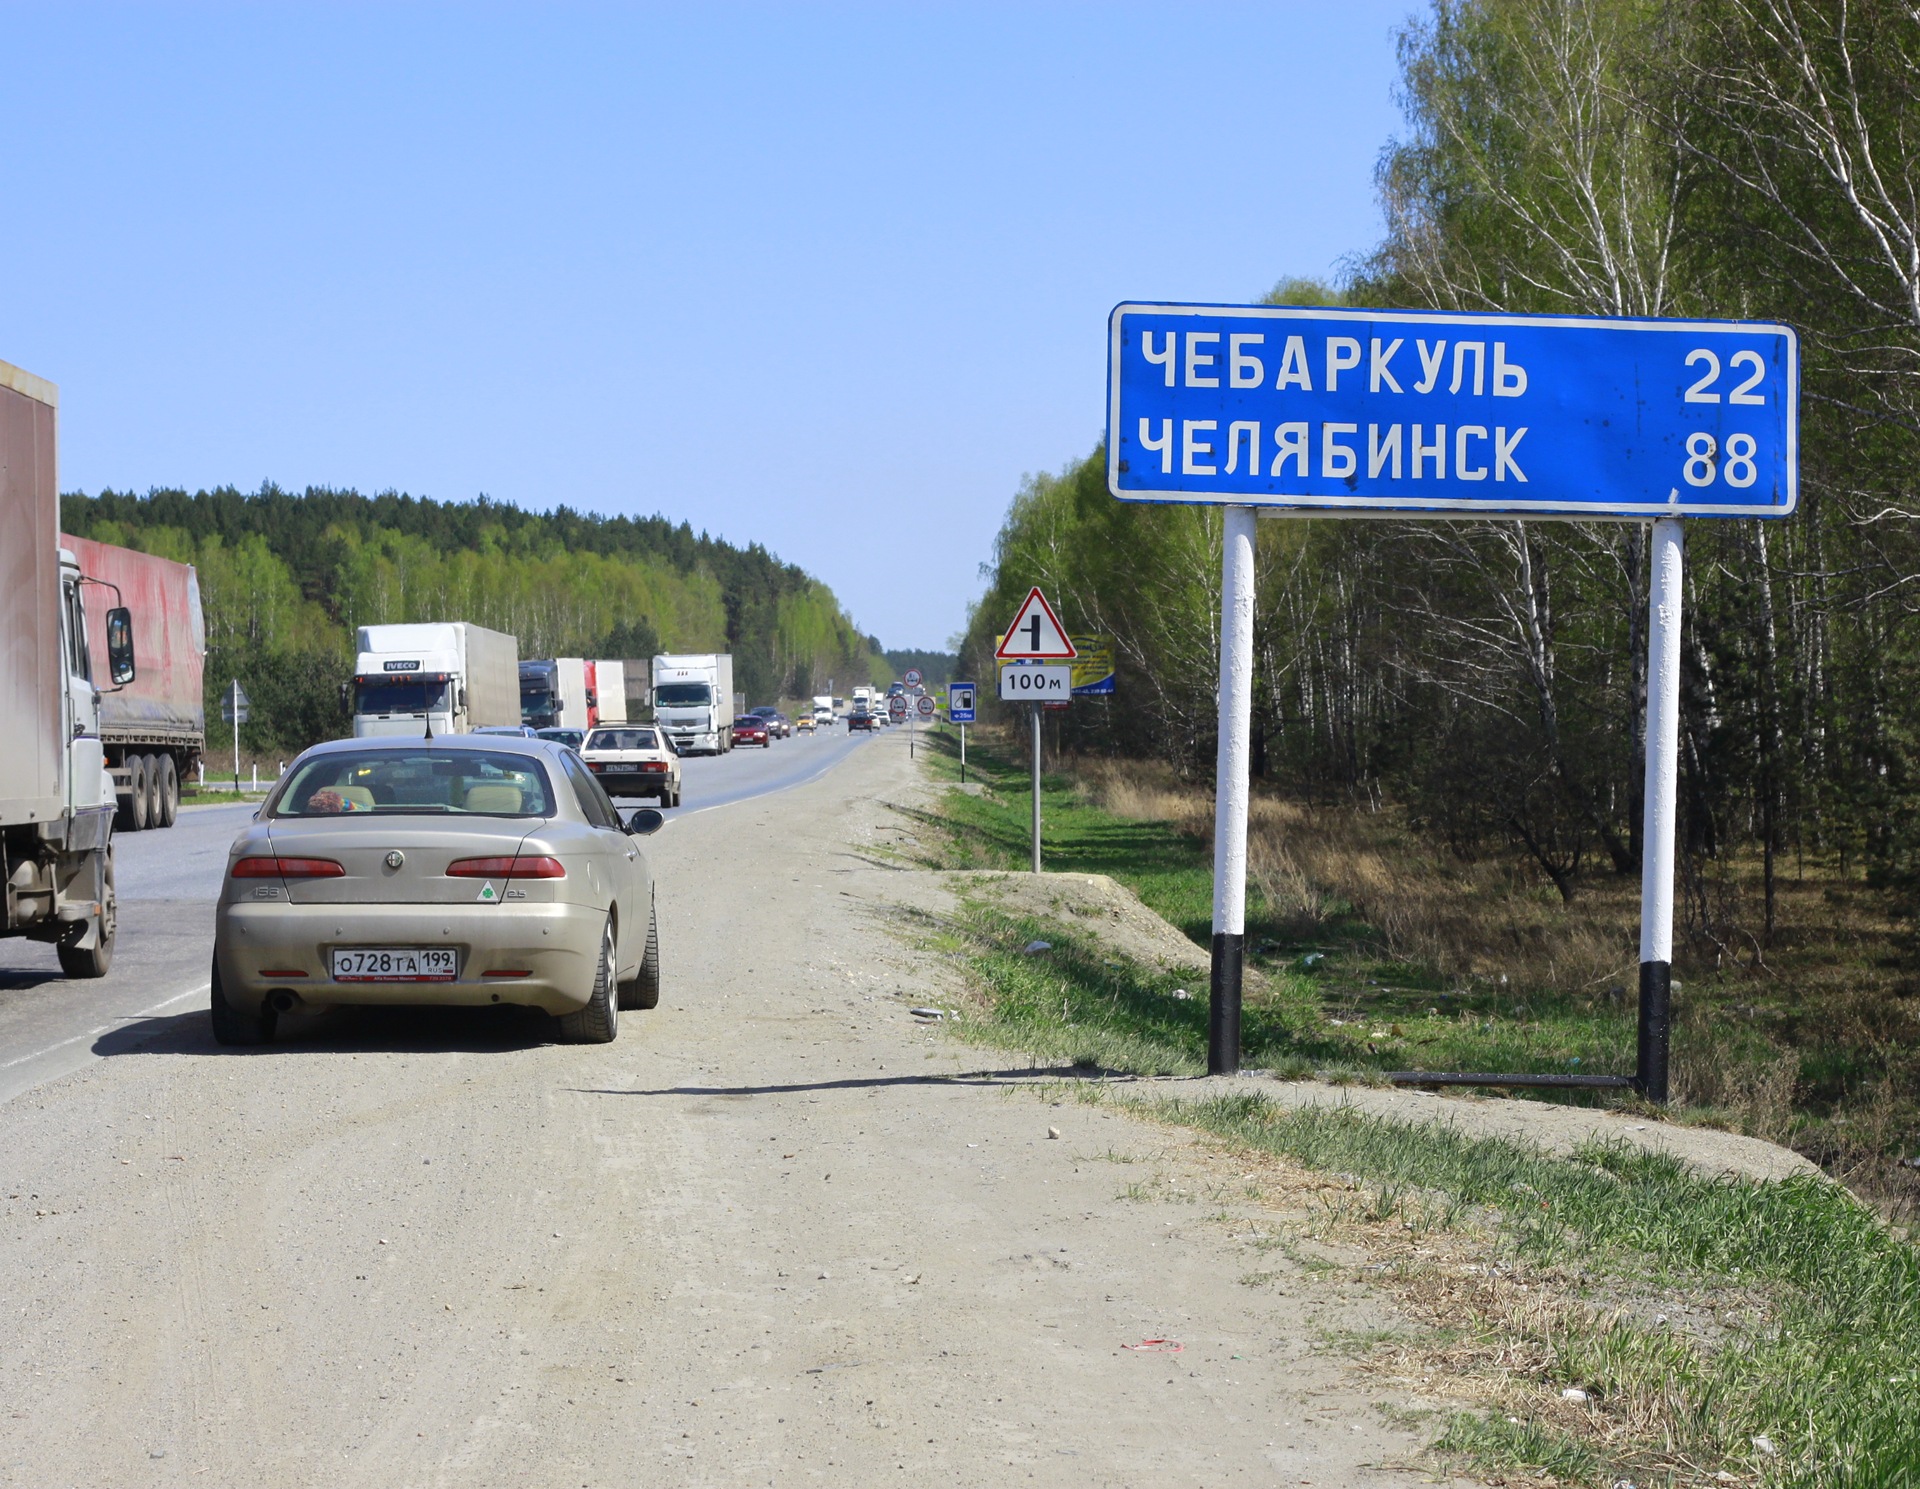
[(829, 278)]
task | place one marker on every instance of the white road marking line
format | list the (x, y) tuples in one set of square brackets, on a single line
[(164, 1004)]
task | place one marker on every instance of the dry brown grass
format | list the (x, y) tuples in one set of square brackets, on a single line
[(1324, 868)]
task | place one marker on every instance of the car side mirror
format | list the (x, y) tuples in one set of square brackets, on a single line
[(645, 820), (120, 645)]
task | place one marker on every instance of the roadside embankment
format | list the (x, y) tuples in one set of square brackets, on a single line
[(1601, 1295)]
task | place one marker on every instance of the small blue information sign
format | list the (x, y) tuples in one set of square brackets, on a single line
[(960, 696), (1427, 413)]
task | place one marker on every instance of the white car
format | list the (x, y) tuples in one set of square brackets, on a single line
[(634, 760)]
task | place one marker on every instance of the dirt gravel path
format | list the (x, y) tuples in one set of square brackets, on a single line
[(777, 1233)]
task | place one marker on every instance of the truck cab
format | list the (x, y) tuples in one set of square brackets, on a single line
[(407, 695), (56, 796)]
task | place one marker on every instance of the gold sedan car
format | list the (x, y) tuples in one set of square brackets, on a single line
[(467, 869)]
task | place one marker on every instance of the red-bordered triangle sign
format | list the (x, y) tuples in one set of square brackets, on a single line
[(1036, 634)]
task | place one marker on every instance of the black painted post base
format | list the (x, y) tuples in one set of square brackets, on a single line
[(1656, 1023), (1223, 1008)]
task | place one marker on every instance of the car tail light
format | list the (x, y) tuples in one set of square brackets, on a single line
[(288, 868), (521, 866), (652, 765)]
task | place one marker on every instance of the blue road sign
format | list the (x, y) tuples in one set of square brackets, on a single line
[(1352, 411), (960, 697)]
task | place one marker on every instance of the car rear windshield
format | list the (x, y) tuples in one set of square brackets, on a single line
[(623, 739), (413, 781)]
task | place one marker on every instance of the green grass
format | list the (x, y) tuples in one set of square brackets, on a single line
[(1167, 869), (1340, 1008), (1828, 1371)]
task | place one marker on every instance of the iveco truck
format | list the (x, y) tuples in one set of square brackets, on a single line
[(693, 702), (56, 797), (443, 677)]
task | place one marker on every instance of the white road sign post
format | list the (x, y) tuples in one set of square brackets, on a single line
[(1296, 411), (960, 696), (1036, 636), (237, 707)]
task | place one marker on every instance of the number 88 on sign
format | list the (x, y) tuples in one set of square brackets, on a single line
[(1467, 415)]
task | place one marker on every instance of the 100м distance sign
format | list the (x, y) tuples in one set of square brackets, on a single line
[(1350, 411)]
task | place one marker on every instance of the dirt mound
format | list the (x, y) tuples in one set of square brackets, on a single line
[(1092, 903)]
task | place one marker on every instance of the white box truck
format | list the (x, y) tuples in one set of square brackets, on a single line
[(610, 691), (693, 702), (446, 677), (56, 796), (823, 709)]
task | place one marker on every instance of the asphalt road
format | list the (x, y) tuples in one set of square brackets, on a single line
[(169, 880)]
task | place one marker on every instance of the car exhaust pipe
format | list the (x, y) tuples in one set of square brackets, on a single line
[(283, 1000)]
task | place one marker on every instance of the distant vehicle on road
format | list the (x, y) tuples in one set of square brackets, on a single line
[(519, 731), (634, 760), (860, 719), (750, 728), (571, 738), (692, 700), (450, 678), (540, 894), (778, 724), (804, 724)]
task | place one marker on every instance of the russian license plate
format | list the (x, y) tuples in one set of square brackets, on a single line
[(395, 964)]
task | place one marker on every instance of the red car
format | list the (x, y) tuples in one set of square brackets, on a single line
[(751, 729)]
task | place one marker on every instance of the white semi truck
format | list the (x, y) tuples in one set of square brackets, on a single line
[(443, 677), (56, 795), (693, 701)]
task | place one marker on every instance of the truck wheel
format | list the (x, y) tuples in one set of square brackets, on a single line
[(230, 1026), (137, 787), (123, 805), (169, 790), (156, 793), (644, 990), (95, 960), (599, 1021)]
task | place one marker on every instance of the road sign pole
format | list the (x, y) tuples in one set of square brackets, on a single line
[(963, 754), (236, 736), (1033, 712), (1661, 807), (1230, 792)]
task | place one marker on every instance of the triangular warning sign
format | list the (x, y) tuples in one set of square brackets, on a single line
[(1036, 634)]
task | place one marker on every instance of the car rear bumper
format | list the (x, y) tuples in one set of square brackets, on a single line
[(556, 945), (633, 782)]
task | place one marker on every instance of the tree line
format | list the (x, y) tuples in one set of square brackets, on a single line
[(1753, 159), (286, 578)]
